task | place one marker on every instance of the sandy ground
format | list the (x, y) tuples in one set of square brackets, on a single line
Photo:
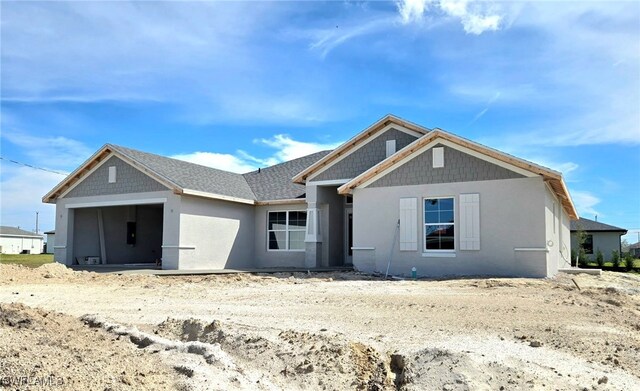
[(321, 331)]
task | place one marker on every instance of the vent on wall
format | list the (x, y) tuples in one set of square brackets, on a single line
[(438, 157), (112, 174), (391, 147)]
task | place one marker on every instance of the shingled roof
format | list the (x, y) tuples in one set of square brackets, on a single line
[(13, 231), (190, 175), (274, 183), (269, 184), (591, 225)]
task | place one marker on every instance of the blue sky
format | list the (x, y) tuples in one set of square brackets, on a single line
[(239, 85)]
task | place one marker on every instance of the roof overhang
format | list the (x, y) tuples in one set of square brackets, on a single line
[(95, 161), (551, 177), (360, 138)]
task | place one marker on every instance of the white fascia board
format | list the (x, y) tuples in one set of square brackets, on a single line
[(288, 201), (214, 196), (329, 182), (34, 236), (144, 201), (363, 143), (447, 143)]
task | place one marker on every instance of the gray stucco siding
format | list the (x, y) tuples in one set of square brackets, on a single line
[(215, 234), (365, 157), (128, 180), (607, 242), (511, 216), (268, 258), (458, 167)]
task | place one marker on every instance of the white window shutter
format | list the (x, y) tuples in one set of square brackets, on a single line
[(470, 221), (391, 147), (408, 224), (438, 157)]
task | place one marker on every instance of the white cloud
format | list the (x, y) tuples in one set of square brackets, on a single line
[(412, 10), (585, 203), (241, 162), (327, 40), (50, 151), (220, 161), (289, 148), (476, 17)]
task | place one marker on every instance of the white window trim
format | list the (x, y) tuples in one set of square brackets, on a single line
[(286, 231), (438, 253)]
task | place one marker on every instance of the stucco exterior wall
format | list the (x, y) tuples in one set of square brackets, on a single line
[(128, 180), (607, 242), (458, 167), (365, 157), (215, 234), (14, 245), (270, 258), (557, 234), (511, 216)]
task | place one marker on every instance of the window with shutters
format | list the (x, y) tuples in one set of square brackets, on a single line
[(439, 224)]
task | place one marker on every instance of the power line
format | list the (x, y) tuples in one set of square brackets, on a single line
[(31, 166)]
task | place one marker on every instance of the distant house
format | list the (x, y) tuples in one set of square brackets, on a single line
[(51, 241), (599, 236), (397, 191), (634, 249), (15, 241)]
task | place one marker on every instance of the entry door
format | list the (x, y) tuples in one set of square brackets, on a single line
[(348, 236)]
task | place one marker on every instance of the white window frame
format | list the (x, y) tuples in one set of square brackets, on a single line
[(438, 253), (286, 230)]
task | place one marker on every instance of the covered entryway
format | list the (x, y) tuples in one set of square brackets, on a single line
[(117, 235)]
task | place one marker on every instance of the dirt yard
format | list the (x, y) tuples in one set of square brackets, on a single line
[(87, 331)]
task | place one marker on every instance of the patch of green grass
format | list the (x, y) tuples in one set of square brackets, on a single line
[(30, 260)]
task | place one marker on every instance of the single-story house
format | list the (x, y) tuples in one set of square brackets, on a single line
[(14, 240), (51, 239), (598, 236), (396, 192), (634, 250)]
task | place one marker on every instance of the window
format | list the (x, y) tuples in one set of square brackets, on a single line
[(391, 147), (286, 230), (438, 224), (587, 246)]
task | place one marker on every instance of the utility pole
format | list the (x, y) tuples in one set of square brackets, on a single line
[(37, 223)]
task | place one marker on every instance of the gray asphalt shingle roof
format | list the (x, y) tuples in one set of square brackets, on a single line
[(275, 182), (271, 183), (590, 225), (190, 175), (4, 230)]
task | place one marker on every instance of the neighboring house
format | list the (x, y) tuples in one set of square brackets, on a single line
[(51, 241), (15, 241), (396, 191), (634, 250), (598, 236)]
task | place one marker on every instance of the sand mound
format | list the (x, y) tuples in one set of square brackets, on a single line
[(42, 349)]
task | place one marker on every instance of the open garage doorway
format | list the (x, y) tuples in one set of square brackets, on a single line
[(118, 235)]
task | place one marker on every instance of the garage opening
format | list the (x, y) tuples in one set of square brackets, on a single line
[(118, 235)]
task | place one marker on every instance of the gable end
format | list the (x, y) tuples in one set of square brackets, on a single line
[(128, 180), (365, 157), (458, 167)]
